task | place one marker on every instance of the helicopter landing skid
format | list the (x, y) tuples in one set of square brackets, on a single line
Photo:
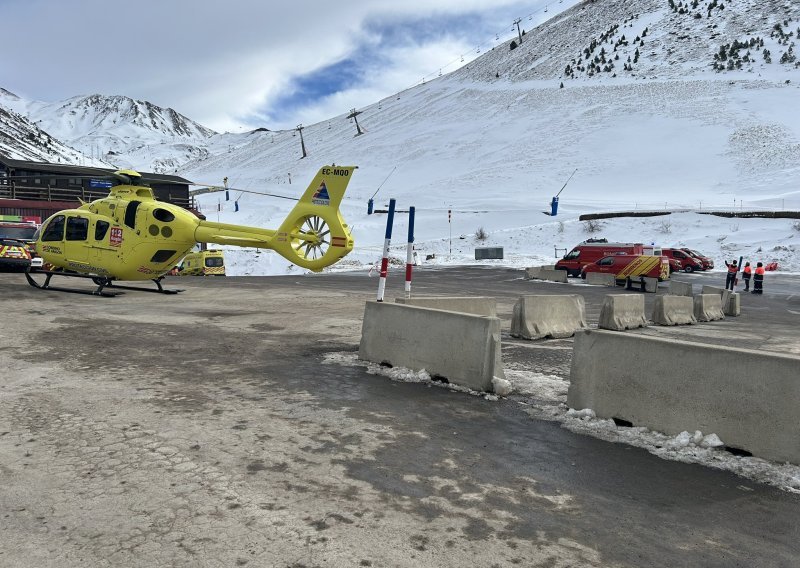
[(49, 274), (108, 283), (102, 285)]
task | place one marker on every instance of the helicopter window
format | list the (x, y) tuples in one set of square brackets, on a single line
[(54, 230), (130, 213), (77, 229), (163, 256), (100, 230), (163, 215)]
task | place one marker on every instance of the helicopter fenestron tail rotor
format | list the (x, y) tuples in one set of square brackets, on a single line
[(314, 234)]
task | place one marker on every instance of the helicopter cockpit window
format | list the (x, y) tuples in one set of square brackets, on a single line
[(163, 256), (130, 213), (77, 229), (100, 230), (163, 215), (54, 230)]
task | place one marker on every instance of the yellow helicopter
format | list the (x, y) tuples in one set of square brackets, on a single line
[(128, 235)]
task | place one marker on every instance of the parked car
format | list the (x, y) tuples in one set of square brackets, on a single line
[(708, 264), (14, 256), (688, 262), (674, 265)]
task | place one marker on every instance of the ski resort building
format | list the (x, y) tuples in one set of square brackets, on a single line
[(39, 189)]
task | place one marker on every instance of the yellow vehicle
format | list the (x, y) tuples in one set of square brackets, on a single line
[(128, 235), (14, 256), (203, 263)]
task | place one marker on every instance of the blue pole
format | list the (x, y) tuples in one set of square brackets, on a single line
[(390, 220)]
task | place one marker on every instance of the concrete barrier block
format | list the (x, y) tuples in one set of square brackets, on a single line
[(542, 273), (463, 348), (734, 305), (642, 283), (477, 305), (553, 275), (673, 310), (650, 284), (600, 279), (724, 293), (533, 272), (537, 317), (748, 398), (678, 288), (622, 311), (708, 307)]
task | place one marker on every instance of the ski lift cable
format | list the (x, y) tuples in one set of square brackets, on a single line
[(384, 181), (215, 188), (566, 182)]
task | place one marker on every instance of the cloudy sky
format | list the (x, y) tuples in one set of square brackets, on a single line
[(242, 64)]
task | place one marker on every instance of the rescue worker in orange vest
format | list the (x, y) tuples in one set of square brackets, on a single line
[(758, 279), (746, 274), (730, 279)]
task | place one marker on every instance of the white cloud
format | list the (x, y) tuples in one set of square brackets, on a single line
[(218, 63)]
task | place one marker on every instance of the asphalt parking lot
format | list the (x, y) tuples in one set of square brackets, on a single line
[(212, 429)]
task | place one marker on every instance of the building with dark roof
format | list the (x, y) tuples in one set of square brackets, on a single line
[(38, 189)]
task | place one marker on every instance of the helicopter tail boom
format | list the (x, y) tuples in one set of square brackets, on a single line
[(235, 235)]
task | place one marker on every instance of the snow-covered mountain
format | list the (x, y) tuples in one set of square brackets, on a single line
[(119, 130), (22, 140)]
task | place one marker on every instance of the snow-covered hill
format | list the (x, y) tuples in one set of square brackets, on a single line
[(497, 139), (22, 140), (120, 130)]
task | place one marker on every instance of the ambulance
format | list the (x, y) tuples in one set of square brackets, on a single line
[(203, 263), (624, 266), (15, 231), (14, 256)]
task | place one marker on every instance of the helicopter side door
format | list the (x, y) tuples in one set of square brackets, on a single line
[(76, 235), (102, 252)]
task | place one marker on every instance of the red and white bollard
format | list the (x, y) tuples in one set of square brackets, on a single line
[(385, 260), (410, 251)]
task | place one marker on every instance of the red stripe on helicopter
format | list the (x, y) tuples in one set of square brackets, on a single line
[(338, 241)]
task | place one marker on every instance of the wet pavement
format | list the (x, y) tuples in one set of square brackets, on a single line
[(215, 428)]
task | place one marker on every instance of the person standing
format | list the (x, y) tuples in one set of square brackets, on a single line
[(730, 279), (746, 274), (758, 279)]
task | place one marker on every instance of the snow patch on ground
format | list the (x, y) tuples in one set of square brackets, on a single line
[(545, 397)]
